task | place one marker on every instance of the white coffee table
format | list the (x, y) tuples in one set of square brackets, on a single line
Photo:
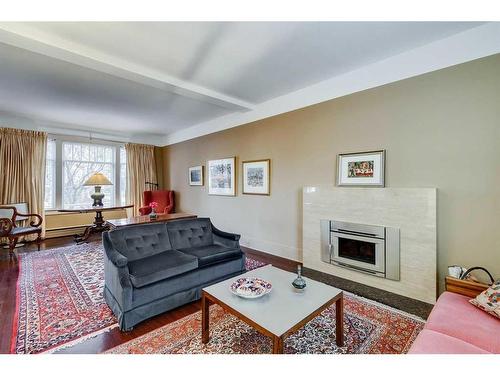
[(279, 313)]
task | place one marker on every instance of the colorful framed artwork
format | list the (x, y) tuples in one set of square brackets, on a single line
[(221, 177), (361, 169), (256, 177), (196, 176)]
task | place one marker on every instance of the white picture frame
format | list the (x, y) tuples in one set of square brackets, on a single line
[(222, 176), (256, 177), (363, 169), (195, 175)]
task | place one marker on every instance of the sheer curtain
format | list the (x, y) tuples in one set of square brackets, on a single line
[(140, 168), (22, 169)]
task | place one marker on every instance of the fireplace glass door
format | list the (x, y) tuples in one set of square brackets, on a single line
[(357, 250), (363, 253)]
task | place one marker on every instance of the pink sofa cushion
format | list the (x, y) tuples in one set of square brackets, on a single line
[(429, 341), (454, 316)]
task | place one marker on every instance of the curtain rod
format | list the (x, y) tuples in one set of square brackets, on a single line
[(90, 138)]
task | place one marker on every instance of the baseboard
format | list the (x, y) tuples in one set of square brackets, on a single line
[(281, 262), (63, 232)]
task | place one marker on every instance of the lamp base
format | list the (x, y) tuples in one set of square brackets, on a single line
[(97, 196)]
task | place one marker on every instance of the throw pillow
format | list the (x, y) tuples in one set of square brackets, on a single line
[(489, 300)]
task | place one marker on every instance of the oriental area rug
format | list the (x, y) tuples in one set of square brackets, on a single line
[(369, 328), (60, 298), (60, 303)]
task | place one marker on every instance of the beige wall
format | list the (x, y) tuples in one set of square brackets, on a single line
[(159, 170), (440, 129)]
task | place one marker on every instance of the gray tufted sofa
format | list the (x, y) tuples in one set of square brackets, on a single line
[(153, 268)]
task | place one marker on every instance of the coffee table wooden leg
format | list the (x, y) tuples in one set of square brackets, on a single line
[(339, 317), (205, 318), (277, 345)]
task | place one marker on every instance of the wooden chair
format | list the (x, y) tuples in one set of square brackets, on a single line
[(10, 230)]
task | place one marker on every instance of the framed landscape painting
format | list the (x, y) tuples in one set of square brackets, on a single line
[(361, 169), (196, 176), (256, 177), (221, 177)]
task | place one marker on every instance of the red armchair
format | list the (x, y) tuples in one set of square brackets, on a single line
[(164, 198)]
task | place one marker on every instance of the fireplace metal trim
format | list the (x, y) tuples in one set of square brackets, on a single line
[(377, 268), (392, 253), (387, 260)]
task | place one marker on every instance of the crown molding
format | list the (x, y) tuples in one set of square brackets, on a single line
[(20, 121)]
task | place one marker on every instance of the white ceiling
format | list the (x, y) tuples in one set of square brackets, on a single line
[(159, 79), (39, 86)]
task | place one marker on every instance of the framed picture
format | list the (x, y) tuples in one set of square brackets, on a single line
[(256, 177), (196, 176), (221, 177), (361, 169)]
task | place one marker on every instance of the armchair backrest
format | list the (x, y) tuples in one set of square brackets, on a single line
[(7, 213), (164, 198), (10, 211), (11, 215)]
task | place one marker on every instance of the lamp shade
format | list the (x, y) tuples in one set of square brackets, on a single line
[(97, 179)]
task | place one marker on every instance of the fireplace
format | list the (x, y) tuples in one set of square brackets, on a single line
[(365, 248)]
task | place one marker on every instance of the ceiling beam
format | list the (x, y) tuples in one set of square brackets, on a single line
[(23, 36), (459, 48)]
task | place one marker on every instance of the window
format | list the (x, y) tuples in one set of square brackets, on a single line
[(80, 161), (50, 175), (71, 163)]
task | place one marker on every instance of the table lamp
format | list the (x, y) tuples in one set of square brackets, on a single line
[(97, 180)]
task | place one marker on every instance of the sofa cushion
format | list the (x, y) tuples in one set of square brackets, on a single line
[(454, 316), (489, 300), (140, 241), (212, 254), (188, 280), (190, 233), (432, 342), (161, 266)]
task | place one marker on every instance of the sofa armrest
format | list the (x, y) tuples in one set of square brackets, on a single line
[(229, 236), (225, 238), (169, 209), (145, 210), (116, 274), (119, 260)]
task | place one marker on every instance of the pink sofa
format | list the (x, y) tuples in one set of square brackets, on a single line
[(457, 327)]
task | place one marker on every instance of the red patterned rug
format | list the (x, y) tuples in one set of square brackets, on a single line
[(60, 298), (60, 303), (370, 328)]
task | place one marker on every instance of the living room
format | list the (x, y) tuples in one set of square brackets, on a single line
[(214, 187)]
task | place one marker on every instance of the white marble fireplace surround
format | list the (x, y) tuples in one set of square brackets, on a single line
[(413, 210)]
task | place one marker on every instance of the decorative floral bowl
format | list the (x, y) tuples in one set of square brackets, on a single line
[(250, 287)]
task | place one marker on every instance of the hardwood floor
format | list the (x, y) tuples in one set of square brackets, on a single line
[(9, 272)]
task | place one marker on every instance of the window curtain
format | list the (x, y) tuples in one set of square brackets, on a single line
[(141, 168), (22, 169)]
